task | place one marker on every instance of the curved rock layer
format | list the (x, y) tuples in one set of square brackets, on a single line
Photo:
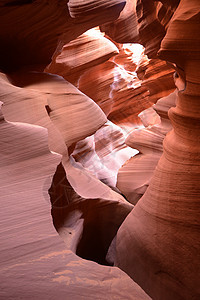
[(30, 30), (157, 244), (80, 9), (82, 110), (83, 223), (28, 104), (163, 229), (113, 83), (101, 78), (30, 248), (157, 78), (133, 178), (147, 25), (26, 101), (114, 86), (89, 49), (124, 29), (104, 153)]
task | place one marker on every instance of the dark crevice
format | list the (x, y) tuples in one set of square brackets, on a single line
[(100, 219), (18, 2)]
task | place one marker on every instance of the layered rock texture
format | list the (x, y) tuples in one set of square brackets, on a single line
[(34, 261), (163, 229), (134, 177), (99, 143)]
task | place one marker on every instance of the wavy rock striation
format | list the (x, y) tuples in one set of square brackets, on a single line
[(71, 59), (163, 229), (157, 243), (93, 8), (148, 21), (117, 90), (30, 248), (125, 28), (133, 178), (157, 77)]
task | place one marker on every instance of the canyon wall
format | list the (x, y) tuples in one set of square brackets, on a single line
[(100, 138), (160, 237)]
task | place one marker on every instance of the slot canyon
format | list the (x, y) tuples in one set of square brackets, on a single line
[(100, 149)]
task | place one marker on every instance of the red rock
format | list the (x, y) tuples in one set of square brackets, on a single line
[(125, 28), (90, 49), (42, 89), (117, 91), (30, 30), (30, 248), (104, 153), (100, 78), (162, 231), (94, 9), (157, 244), (158, 79), (134, 177)]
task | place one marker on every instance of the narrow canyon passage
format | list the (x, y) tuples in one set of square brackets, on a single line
[(99, 149)]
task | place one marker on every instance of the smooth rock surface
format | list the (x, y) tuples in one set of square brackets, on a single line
[(34, 261), (162, 231)]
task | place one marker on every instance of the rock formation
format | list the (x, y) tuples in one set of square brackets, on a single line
[(134, 177), (89, 49), (30, 29), (77, 119), (108, 68), (34, 261), (163, 229)]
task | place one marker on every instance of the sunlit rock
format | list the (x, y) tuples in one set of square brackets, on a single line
[(71, 59), (75, 115), (104, 153), (115, 87), (134, 177), (162, 231)]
